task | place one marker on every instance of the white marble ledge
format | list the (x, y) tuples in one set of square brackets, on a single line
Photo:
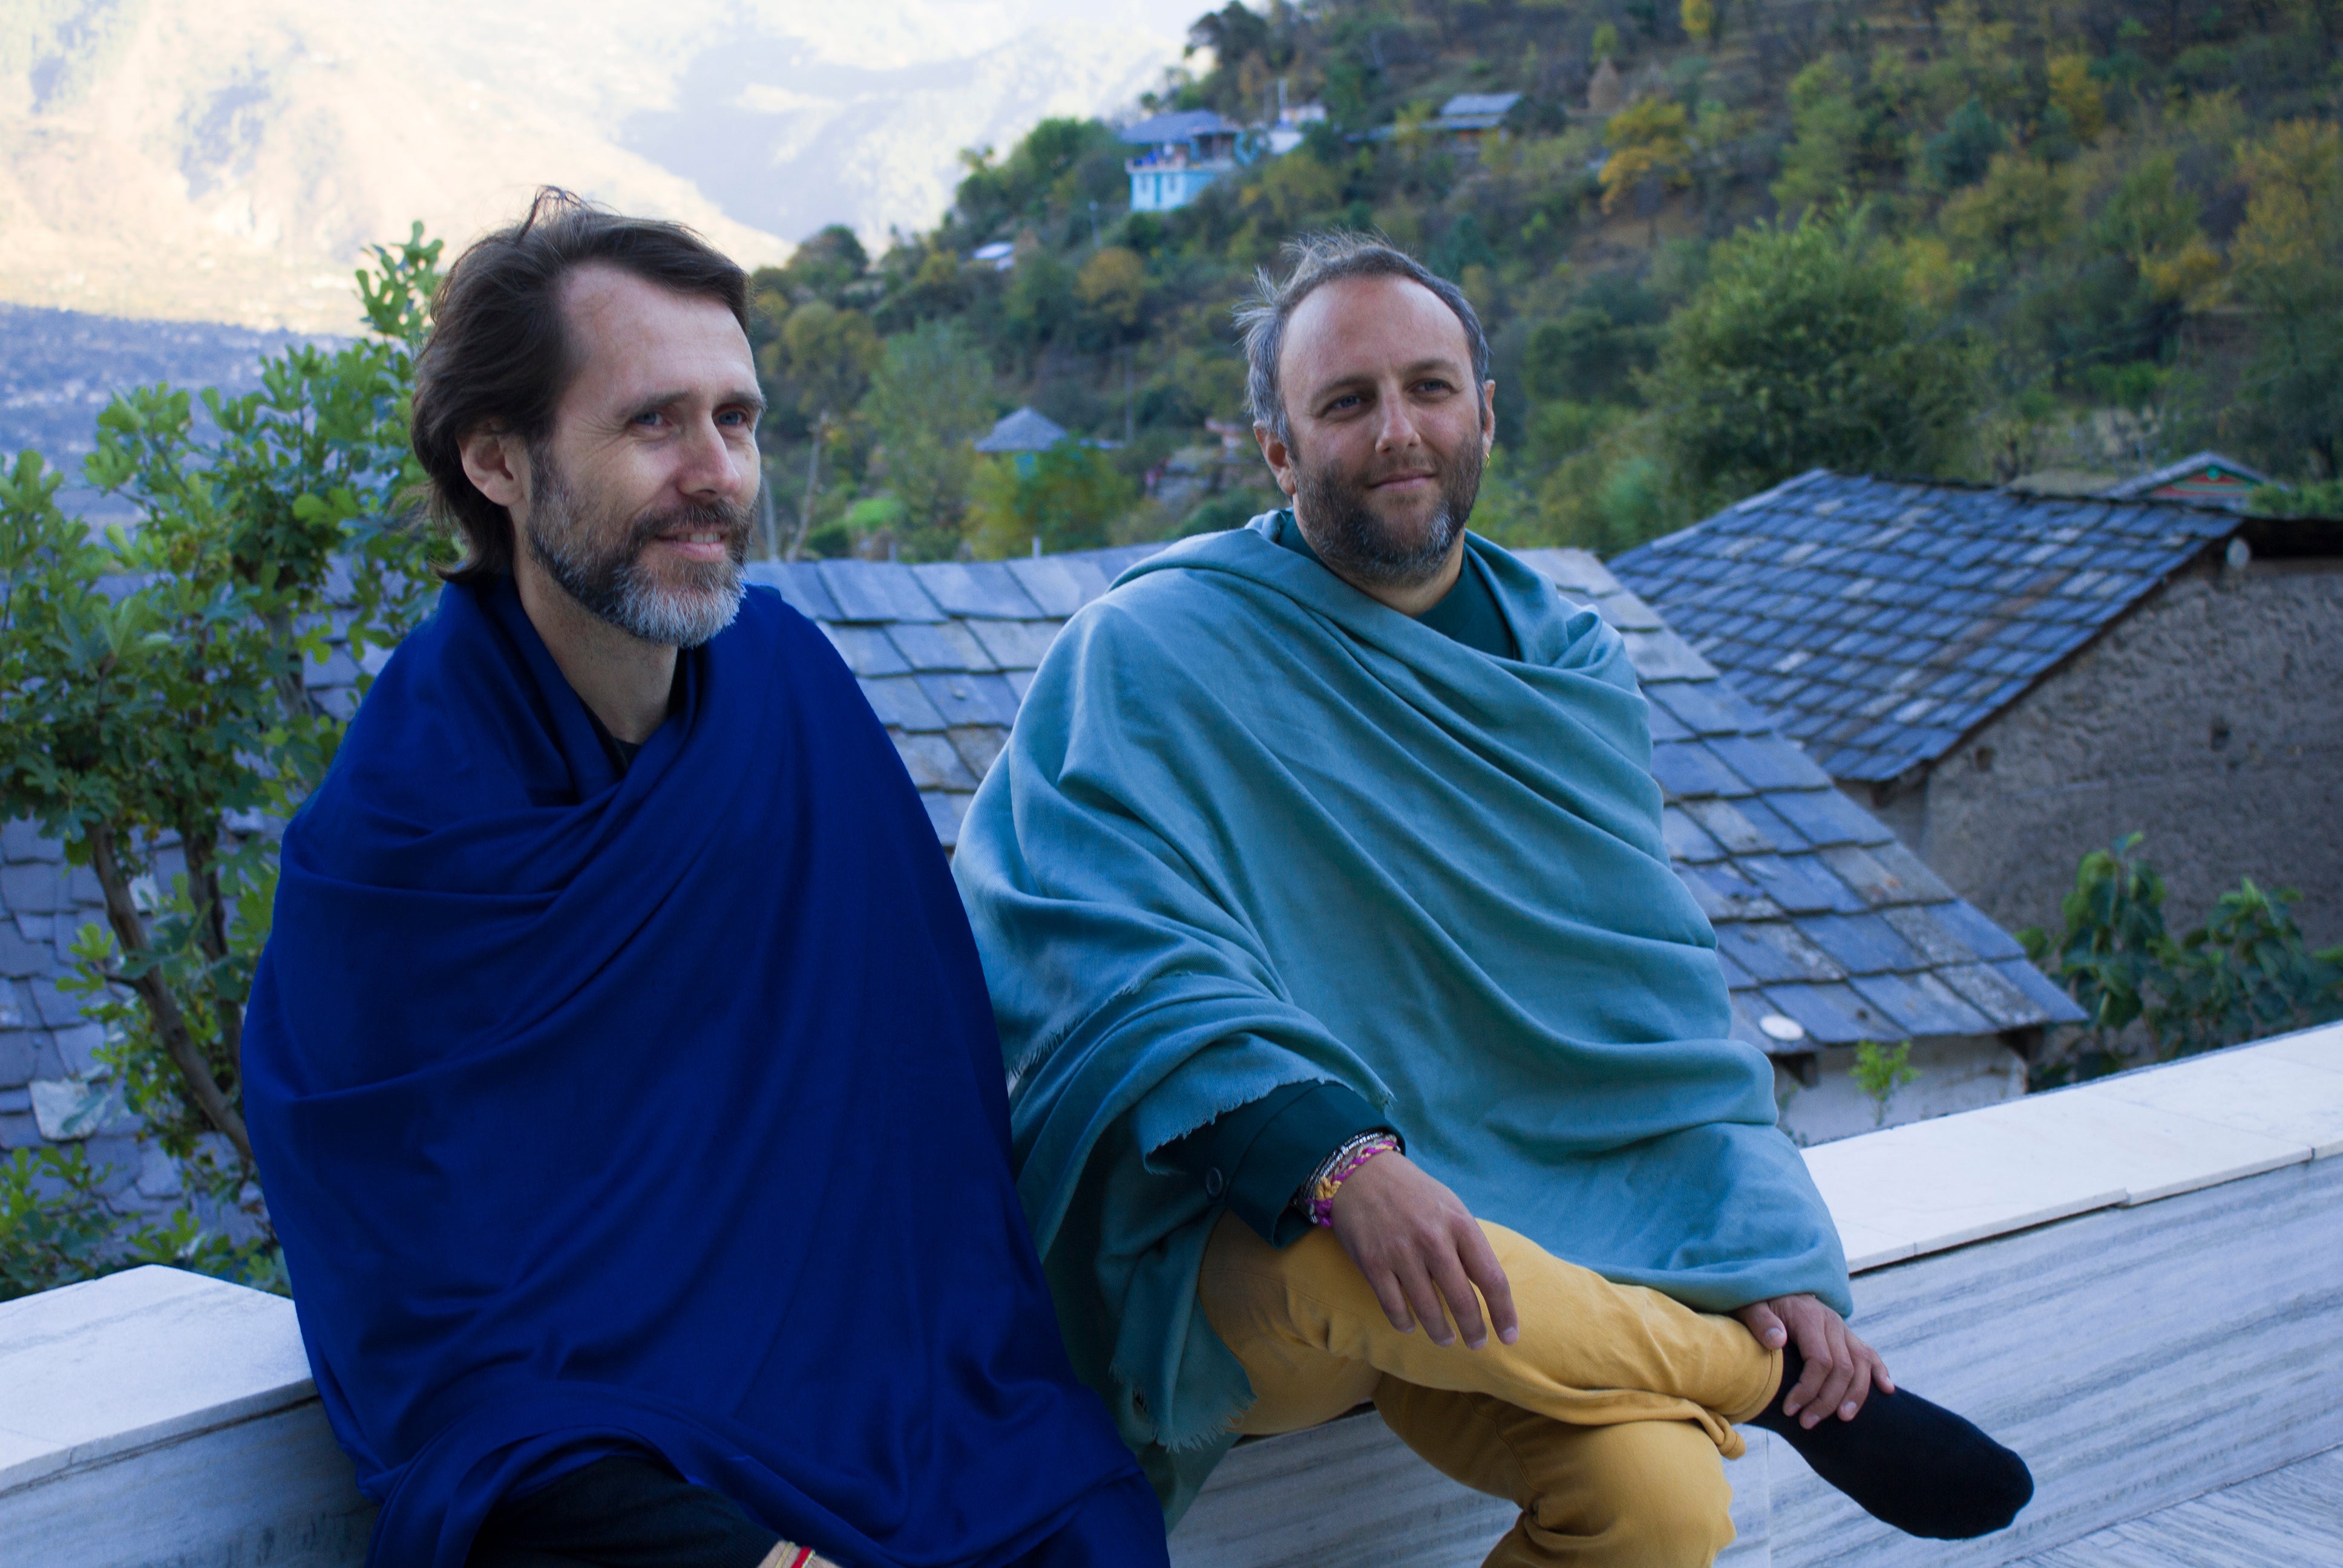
[(2151, 1134), (98, 1369)]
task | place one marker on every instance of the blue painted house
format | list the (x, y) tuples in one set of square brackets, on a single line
[(1183, 154)]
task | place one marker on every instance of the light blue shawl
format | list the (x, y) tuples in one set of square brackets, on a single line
[(1255, 829)]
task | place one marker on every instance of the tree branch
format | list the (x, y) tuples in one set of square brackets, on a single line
[(178, 1040)]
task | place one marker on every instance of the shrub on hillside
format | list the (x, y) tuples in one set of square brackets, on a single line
[(1807, 348)]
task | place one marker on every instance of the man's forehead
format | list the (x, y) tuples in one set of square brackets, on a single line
[(619, 324), (1353, 324)]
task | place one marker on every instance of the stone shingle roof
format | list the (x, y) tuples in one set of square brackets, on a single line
[(42, 1036), (1882, 620), (1821, 916), (1026, 430)]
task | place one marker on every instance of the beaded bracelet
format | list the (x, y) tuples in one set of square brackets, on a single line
[(1318, 1202)]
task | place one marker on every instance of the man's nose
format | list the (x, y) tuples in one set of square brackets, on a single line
[(708, 468), (1398, 427)]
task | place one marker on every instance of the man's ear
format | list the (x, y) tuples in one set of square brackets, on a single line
[(1488, 417), (496, 462), (1279, 457)]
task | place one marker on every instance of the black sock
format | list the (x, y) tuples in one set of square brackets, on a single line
[(1914, 1464)]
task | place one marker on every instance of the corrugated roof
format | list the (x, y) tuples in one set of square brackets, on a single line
[(1476, 111), (1881, 620), (1821, 916)]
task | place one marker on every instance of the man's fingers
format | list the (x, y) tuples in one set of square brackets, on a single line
[(1814, 1347), (1761, 1320), (1456, 1288), (1424, 1297), (1387, 1290), (1875, 1364), (1859, 1389), (1874, 1367), (1839, 1377), (1482, 1267)]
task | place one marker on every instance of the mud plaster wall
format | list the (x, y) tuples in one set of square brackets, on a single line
[(2210, 717)]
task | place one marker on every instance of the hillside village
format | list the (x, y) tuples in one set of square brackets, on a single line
[(2057, 248)]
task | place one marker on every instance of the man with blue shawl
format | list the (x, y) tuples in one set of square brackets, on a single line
[(620, 1067), (1347, 991)]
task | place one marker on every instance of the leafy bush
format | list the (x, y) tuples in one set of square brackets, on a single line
[(1805, 348), (154, 718), (57, 1228), (1065, 498), (2245, 973)]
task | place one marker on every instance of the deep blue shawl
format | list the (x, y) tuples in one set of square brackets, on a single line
[(658, 1112)]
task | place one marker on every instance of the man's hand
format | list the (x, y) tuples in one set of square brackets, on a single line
[(1417, 1245), (1840, 1368)]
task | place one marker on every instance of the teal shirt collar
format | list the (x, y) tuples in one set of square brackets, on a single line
[(1467, 613)]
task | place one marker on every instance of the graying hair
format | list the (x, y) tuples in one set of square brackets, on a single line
[(1320, 259)]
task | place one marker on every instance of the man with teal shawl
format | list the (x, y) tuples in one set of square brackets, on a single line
[(1345, 989)]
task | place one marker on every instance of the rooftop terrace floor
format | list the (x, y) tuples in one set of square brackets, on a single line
[(2291, 1514)]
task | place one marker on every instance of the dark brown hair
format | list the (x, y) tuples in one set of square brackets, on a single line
[(1320, 259), (499, 355)]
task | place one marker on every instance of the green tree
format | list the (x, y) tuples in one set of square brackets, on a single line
[(1804, 348), (1063, 498), (1827, 125), (823, 266), (170, 717), (2287, 257), (822, 358), (2020, 205), (1113, 289), (930, 397), (1649, 141)]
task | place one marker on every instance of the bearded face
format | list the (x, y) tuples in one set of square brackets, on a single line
[(1392, 519), (607, 564)]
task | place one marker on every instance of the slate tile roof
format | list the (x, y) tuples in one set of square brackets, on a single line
[(1881, 620), (1822, 916)]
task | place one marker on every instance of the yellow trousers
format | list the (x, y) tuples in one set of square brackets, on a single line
[(1606, 1423)]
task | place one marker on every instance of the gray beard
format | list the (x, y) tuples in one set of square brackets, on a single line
[(1349, 536), (613, 586)]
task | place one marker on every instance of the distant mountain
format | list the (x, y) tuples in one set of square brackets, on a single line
[(229, 159), (59, 368)]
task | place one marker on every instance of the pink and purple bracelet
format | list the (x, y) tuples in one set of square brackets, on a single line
[(1318, 1196)]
